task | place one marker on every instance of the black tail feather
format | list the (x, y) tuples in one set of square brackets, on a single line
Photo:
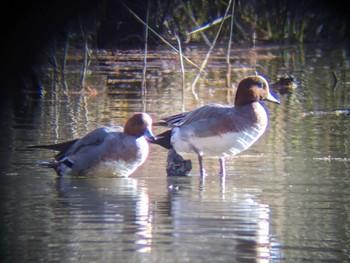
[(61, 147), (163, 140)]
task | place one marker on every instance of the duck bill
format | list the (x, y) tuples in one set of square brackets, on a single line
[(271, 97), (149, 135)]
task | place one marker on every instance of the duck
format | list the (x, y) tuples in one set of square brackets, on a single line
[(221, 131), (285, 85), (111, 151)]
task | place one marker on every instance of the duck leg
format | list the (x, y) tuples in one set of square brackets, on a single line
[(201, 169), (222, 167)]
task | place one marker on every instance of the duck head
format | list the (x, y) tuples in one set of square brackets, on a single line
[(252, 89), (140, 124)]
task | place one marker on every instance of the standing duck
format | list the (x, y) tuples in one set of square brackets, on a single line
[(106, 151), (220, 131)]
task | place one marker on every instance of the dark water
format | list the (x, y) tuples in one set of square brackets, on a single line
[(285, 199)]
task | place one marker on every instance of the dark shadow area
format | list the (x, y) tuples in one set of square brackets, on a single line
[(34, 30)]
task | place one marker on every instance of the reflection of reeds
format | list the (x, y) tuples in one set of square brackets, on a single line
[(85, 62), (64, 61), (86, 59)]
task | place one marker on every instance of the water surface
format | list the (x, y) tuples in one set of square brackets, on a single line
[(285, 199)]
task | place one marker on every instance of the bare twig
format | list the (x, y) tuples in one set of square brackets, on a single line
[(206, 26), (228, 76), (183, 73), (160, 37), (208, 53), (144, 88)]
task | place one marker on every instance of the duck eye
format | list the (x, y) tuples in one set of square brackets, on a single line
[(260, 84)]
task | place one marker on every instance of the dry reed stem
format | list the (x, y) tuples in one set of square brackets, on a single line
[(205, 61), (182, 73), (144, 70), (160, 37)]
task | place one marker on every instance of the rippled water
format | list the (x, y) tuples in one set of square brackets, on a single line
[(285, 199)]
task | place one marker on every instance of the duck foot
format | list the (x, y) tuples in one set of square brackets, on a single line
[(176, 165)]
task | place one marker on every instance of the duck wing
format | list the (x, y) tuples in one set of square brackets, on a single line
[(70, 147), (212, 110), (94, 138)]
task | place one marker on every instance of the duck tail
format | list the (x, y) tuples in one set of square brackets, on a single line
[(163, 140), (61, 147)]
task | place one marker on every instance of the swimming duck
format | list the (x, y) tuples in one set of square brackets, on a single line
[(105, 152), (220, 131)]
